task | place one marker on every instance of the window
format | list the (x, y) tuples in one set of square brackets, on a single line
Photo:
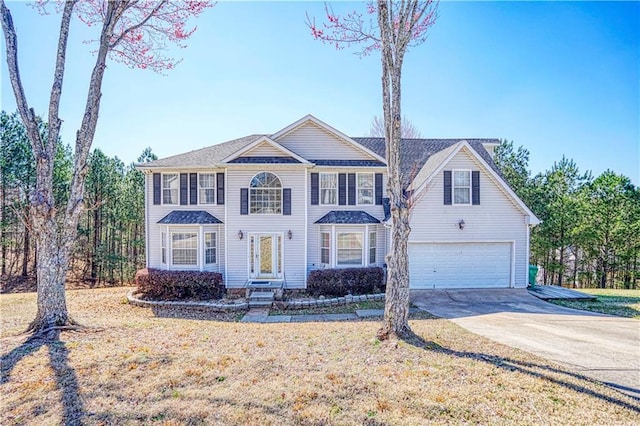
[(209, 247), (325, 248), (461, 187), (206, 187), (266, 194), (372, 247), (349, 248), (184, 248), (365, 188), (328, 188), (163, 244), (170, 185)]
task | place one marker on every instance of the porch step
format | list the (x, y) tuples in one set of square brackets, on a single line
[(262, 295)]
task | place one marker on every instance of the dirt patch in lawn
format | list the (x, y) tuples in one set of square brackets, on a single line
[(143, 369)]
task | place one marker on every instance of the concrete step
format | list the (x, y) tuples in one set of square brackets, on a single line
[(260, 303), (262, 295)]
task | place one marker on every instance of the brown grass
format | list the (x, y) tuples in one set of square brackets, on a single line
[(148, 370)]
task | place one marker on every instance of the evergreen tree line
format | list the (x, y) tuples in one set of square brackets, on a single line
[(590, 230), (110, 246)]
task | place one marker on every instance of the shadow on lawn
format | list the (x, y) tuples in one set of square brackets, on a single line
[(540, 371), (66, 379)]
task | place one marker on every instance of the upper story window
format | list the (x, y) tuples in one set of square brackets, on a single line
[(461, 187), (206, 188), (265, 194), (170, 186), (328, 188), (365, 188)]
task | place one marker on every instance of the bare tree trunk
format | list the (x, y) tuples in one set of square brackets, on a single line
[(26, 249), (396, 310)]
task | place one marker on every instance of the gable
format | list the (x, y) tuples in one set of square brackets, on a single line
[(312, 142), (463, 157), (264, 149)]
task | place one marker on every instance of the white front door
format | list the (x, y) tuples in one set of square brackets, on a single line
[(265, 256)]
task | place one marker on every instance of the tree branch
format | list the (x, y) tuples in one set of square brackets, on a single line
[(27, 114)]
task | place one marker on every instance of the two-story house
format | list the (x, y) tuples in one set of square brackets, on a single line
[(274, 207)]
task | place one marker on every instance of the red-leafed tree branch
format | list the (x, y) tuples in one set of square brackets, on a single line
[(135, 33), (390, 27)]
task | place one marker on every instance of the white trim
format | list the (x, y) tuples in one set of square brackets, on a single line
[(306, 225), (177, 203), (527, 254), (259, 141), (373, 188), (472, 152), (226, 228), (310, 118), (320, 203), (146, 215), (249, 187), (215, 188), (453, 187)]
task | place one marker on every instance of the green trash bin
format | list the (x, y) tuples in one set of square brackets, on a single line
[(533, 271)]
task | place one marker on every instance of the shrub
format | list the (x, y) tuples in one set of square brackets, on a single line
[(157, 284), (340, 282)]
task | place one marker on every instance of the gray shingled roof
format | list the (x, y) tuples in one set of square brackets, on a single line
[(348, 163), (265, 160), (204, 157), (347, 217), (415, 152), (189, 217)]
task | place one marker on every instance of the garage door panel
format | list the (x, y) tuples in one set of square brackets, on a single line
[(460, 265)]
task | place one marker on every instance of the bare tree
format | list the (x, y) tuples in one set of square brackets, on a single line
[(400, 24), (407, 131), (134, 33)]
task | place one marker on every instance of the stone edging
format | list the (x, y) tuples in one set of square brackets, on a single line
[(230, 307), (223, 307), (301, 304)]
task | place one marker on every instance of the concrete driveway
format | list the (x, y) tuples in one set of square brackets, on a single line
[(602, 347)]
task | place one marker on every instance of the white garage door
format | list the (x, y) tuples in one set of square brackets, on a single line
[(459, 265)]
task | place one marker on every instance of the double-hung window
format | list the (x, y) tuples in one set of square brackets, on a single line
[(206, 188), (328, 188), (461, 187), (365, 188), (184, 248), (372, 247), (210, 248), (163, 244), (170, 185), (325, 248), (349, 248)]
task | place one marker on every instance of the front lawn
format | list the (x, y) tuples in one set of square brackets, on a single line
[(623, 303), (145, 369)]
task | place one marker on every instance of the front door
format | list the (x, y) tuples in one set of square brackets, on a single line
[(265, 256)]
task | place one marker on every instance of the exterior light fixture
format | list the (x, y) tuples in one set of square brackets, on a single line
[(240, 234), (290, 234), (461, 224)]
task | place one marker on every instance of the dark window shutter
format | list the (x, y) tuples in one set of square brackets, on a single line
[(193, 188), (378, 188), (447, 187), (157, 190), (351, 180), (342, 189), (286, 201), (244, 201), (220, 187), (315, 189), (475, 188), (184, 188)]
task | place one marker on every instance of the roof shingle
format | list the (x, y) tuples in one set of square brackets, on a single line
[(189, 217), (347, 217)]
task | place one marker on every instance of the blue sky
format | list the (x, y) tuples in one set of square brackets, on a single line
[(559, 78)]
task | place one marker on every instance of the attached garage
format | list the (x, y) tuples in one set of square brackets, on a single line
[(460, 265)]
